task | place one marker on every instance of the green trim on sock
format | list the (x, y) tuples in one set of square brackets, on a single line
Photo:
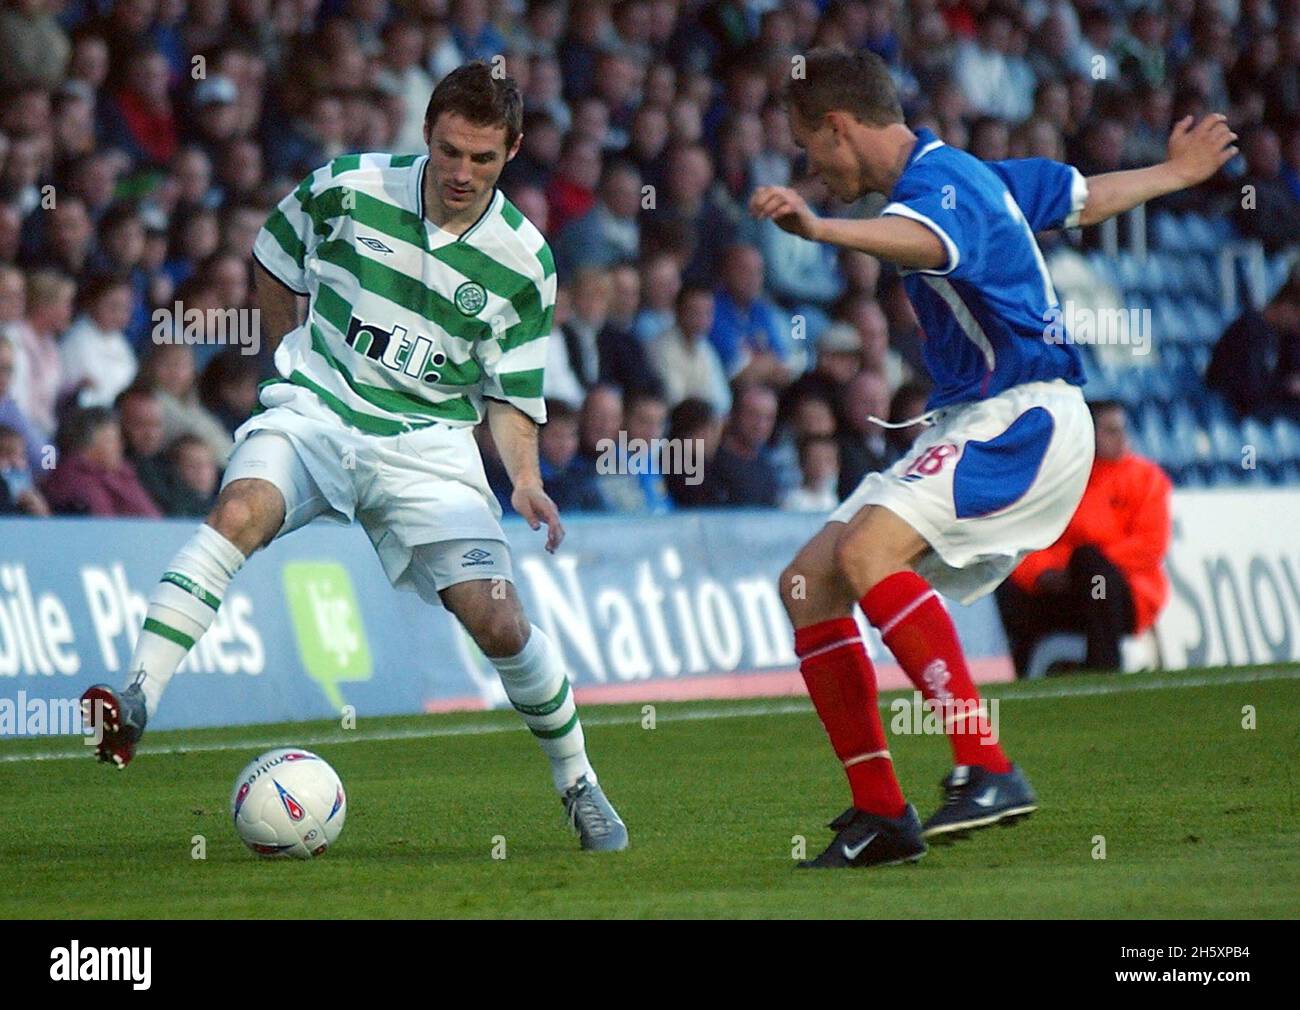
[(193, 588), (169, 633), (546, 707), (555, 734)]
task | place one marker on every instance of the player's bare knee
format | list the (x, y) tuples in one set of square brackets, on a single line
[(245, 517), (860, 559), (499, 631)]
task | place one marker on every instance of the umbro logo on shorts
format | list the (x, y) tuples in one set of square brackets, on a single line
[(478, 556), (373, 243)]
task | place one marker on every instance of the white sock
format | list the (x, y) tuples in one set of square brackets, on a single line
[(538, 687), (181, 609)]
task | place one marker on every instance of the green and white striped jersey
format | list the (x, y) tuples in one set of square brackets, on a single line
[(408, 324)]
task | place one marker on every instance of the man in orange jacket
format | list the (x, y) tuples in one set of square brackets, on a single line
[(1103, 576)]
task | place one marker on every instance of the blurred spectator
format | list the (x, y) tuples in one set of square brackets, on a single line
[(819, 468), (18, 493), (139, 118), (694, 426), (66, 238), (684, 357), (13, 299), (228, 387), (121, 253), (168, 372), (1266, 209), (573, 363), (661, 283), (741, 471), (864, 448), (98, 362), (10, 416), (599, 423), (196, 471), (867, 317), (568, 480), (749, 332), (400, 67), (215, 122), (35, 46), (1256, 363), (572, 190), (807, 416), (141, 418), (607, 234), (93, 476), (630, 470), (908, 403), (623, 359), (839, 358), (688, 210), (993, 80), (38, 367), (1103, 576), (21, 173)]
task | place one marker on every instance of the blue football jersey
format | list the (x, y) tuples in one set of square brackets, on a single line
[(987, 312)]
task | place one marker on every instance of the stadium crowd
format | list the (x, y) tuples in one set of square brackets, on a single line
[(143, 143)]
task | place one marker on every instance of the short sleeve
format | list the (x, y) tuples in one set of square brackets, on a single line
[(934, 200), (288, 237), (1049, 193), (514, 360)]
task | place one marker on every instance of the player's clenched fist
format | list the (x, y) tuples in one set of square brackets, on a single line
[(1197, 152), (786, 207)]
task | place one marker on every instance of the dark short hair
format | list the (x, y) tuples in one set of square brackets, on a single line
[(79, 427), (691, 291), (858, 83), (690, 416), (634, 399), (98, 285), (183, 441), (136, 391), (118, 214), (475, 92)]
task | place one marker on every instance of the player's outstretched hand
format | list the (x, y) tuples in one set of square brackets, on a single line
[(1197, 151), (784, 206), (536, 507)]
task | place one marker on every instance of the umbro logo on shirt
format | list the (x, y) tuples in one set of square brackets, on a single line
[(373, 243), (478, 556)]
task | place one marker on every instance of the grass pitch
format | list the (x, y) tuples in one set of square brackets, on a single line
[(1198, 815)]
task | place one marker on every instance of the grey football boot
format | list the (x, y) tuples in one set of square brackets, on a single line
[(594, 818)]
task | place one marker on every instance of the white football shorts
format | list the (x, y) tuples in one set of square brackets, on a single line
[(422, 497), (990, 482)]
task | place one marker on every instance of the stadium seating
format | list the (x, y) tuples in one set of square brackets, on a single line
[(1175, 419)]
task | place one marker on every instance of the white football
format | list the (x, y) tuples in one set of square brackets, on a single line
[(288, 802)]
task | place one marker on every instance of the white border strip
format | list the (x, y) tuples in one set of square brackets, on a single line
[(750, 708)]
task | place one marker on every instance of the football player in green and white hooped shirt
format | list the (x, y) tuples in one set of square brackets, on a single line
[(429, 303)]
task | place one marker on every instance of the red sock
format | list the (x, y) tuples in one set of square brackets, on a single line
[(842, 686), (916, 627)]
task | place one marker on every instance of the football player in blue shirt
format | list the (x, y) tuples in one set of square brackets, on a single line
[(1004, 462)]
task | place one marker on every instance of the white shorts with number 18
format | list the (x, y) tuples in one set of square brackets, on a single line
[(990, 482)]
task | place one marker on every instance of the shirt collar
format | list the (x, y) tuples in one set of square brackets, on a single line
[(926, 142)]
